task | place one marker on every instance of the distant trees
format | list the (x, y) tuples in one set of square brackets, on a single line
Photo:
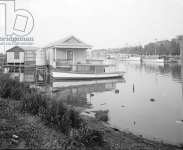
[(158, 48)]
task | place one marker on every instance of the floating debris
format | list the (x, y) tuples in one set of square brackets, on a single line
[(14, 139), (91, 94), (123, 106), (115, 129), (152, 99), (103, 104), (15, 136), (179, 121), (117, 91)]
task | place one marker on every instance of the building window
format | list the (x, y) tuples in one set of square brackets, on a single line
[(69, 55), (16, 55)]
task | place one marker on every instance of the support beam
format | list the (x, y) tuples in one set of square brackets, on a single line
[(55, 57), (55, 54)]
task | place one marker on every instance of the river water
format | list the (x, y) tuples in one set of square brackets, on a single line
[(148, 101)]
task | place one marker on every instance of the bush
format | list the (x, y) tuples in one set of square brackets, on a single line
[(10, 88), (102, 115), (50, 111), (70, 120), (90, 137), (33, 102), (58, 115), (54, 112)]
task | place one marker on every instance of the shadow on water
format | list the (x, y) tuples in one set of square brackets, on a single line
[(80, 93)]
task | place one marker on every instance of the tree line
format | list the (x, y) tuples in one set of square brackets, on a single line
[(157, 48)]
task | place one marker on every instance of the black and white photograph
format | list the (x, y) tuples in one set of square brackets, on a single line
[(91, 74)]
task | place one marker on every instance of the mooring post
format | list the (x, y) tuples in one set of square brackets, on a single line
[(133, 88)]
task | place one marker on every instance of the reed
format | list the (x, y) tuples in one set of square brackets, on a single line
[(10, 88), (53, 113)]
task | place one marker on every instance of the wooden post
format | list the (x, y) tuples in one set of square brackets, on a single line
[(55, 57)]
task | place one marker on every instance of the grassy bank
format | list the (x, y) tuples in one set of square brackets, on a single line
[(31, 132), (29, 119), (52, 114)]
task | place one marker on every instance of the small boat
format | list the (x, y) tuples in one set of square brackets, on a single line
[(134, 58), (84, 76), (153, 59), (156, 60)]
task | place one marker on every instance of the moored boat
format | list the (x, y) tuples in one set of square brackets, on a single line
[(153, 59), (134, 58), (157, 60), (84, 76), (67, 59)]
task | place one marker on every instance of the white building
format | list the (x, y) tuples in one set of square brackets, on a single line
[(21, 55), (66, 52)]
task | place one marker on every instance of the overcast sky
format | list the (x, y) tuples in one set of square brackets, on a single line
[(105, 23)]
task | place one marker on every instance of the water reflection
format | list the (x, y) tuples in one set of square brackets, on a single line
[(80, 93), (173, 69)]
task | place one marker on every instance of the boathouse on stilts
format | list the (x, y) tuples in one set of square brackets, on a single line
[(21, 62), (26, 64)]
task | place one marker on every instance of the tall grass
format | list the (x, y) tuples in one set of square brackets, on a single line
[(52, 112), (10, 88)]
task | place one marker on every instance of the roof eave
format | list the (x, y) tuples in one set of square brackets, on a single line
[(70, 46)]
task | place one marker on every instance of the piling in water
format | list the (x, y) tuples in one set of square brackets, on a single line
[(133, 88)]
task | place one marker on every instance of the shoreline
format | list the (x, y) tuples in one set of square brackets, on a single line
[(125, 138), (30, 119), (121, 137), (41, 136)]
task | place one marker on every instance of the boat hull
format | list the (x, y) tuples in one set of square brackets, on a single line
[(133, 59), (81, 76), (153, 60)]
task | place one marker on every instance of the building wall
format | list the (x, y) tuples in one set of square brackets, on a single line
[(61, 54), (30, 57), (50, 56), (181, 51), (10, 57), (40, 57), (80, 56)]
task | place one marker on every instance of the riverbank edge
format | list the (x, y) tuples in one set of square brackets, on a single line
[(124, 139), (117, 139)]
